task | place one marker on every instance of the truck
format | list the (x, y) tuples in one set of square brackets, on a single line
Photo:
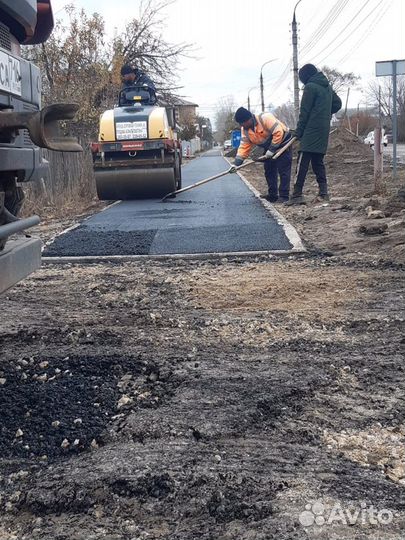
[(25, 128)]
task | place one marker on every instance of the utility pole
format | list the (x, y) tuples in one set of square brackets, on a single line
[(394, 119), (378, 153), (378, 161), (261, 81), (295, 64), (261, 91), (345, 113)]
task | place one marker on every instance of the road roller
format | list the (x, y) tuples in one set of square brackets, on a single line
[(138, 155)]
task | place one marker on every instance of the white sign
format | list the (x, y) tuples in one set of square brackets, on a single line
[(385, 69), (10, 74), (131, 130)]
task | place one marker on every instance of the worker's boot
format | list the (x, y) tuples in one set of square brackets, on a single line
[(270, 198), (321, 198), (323, 195), (296, 199)]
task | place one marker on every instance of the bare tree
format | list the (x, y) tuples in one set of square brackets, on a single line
[(379, 93), (143, 45), (224, 117), (78, 64), (340, 81), (205, 129), (286, 113), (74, 67)]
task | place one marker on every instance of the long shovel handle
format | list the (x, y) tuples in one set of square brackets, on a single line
[(206, 180), (284, 148), (230, 170)]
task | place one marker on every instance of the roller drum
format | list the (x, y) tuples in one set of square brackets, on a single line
[(122, 184)]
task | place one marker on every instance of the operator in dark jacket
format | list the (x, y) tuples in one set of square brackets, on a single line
[(135, 77), (319, 102)]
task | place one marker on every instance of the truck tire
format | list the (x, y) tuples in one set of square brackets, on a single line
[(13, 201), (177, 170)]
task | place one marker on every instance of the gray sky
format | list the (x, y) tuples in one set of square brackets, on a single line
[(233, 38)]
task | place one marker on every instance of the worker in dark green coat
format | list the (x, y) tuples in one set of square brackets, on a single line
[(319, 102)]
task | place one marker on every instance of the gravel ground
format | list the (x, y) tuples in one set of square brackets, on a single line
[(202, 400)]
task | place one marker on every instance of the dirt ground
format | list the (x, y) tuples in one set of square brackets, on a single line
[(357, 222), (233, 399)]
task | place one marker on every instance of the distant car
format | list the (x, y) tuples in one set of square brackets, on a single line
[(370, 139), (227, 144)]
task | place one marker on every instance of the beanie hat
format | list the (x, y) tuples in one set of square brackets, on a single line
[(242, 115), (306, 72), (126, 69)]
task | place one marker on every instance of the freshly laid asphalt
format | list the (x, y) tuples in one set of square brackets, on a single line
[(219, 217)]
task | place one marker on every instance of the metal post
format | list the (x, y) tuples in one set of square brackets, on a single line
[(347, 100), (378, 161), (345, 113), (394, 119), (262, 90), (295, 64)]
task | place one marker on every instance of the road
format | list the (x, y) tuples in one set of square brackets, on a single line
[(219, 217)]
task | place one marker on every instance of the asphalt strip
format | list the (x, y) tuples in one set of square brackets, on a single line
[(289, 231)]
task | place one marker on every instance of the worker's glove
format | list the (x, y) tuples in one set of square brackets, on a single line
[(237, 161), (293, 133), (267, 155)]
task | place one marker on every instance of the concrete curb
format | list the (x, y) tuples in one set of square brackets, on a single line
[(175, 256)]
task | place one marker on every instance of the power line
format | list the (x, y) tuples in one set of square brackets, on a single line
[(344, 34), (324, 26), (328, 20), (282, 85), (373, 24)]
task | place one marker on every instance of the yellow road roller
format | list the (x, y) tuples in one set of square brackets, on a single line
[(137, 155)]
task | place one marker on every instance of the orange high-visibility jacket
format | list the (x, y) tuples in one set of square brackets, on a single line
[(267, 129)]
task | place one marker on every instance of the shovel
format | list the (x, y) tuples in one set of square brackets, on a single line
[(231, 170)]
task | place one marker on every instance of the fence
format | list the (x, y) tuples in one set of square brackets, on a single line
[(69, 183), (189, 148)]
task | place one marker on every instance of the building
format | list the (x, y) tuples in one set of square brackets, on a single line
[(186, 111)]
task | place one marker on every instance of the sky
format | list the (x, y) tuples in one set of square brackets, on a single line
[(232, 39)]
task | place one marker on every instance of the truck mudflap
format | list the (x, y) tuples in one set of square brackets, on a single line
[(18, 259)]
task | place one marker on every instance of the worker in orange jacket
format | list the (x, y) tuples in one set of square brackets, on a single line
[(266, 131)]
